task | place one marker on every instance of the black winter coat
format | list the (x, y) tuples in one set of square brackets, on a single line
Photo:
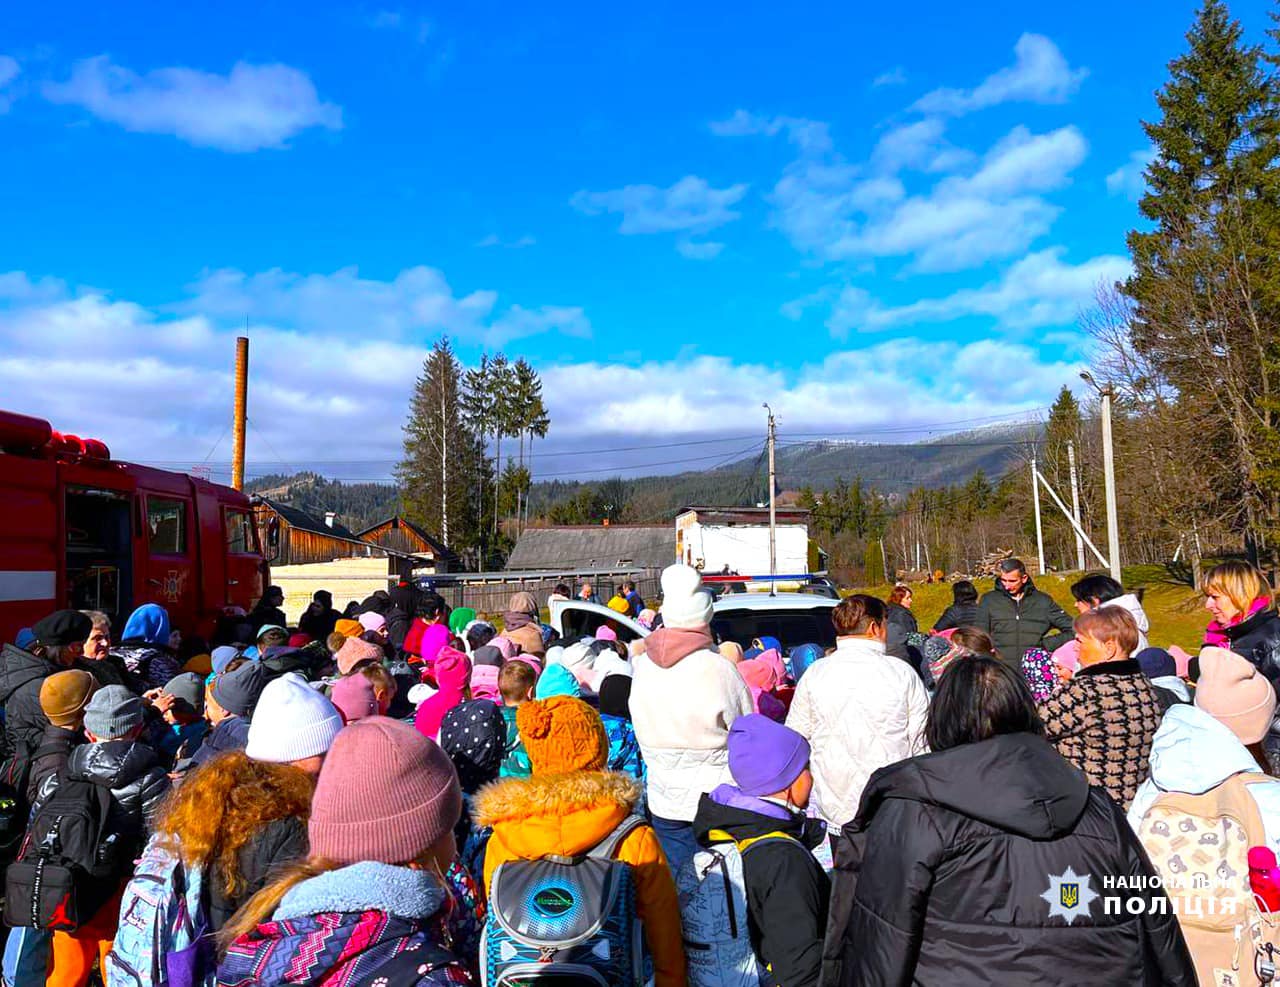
[(958, 615), (21, 674), (946, 876), (1258, 639), (260, 616), (278, 844), (898, 624), (318, 623), (1018, 625), (132, 771), (111, 671), (787, 890)]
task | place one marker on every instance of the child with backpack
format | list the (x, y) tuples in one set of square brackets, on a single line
[(1207, 802), (63, 698), (371, 905), (117, 783), (474, 736), (756, 851), (574, 823), (516, 684)]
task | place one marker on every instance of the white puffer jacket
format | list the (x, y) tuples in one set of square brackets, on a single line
[(860, 709), (682, 716)]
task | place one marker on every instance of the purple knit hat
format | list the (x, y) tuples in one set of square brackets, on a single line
[(386, 793), (765, 757)]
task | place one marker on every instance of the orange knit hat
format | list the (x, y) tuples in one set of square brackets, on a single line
[(562, 734), (348, 628)]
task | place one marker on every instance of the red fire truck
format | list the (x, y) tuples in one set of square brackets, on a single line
[(79, 529)]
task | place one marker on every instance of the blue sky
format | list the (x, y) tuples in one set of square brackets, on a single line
[(873, 216)]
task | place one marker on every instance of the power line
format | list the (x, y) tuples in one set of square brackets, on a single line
[(880, 430)]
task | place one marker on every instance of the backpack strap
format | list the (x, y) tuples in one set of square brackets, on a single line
[(607, 848), (775, 836)]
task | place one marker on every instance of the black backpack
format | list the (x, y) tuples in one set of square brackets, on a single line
[(64, 870)]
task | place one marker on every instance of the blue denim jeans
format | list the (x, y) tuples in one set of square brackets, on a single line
[(676, 837)]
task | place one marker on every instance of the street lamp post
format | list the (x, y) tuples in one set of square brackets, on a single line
[(1109, 474)]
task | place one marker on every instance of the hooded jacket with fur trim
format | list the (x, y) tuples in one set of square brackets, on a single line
[(568, 814)]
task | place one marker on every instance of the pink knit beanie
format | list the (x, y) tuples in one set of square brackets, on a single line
[(386, 793), (353, 652), (355, 697), (506, 646), (1234, 692), (453, 669)]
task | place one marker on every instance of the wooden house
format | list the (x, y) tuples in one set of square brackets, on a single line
[(293, 537), (399, 534)]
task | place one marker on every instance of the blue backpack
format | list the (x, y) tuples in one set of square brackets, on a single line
[(565, 921), (164, 938)]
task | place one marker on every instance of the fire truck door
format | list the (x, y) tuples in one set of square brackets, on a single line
[(99, 551), (170, 537)]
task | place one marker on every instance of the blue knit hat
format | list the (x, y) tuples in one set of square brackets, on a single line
[(1157, 663), (765, 757), (557, 681)]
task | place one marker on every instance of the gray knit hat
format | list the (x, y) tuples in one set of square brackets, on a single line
[(112, 712)]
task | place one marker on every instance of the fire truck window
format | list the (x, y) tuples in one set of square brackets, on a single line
[(239, 540), (167, 521)]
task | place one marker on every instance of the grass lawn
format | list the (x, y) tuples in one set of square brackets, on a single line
[(1176, 610)]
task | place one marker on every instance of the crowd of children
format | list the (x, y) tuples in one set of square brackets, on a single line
[(411, 794)]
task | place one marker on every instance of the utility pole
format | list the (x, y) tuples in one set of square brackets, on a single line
[(1035, 499), (444, 471), (240, 412), (1109, 474), (1075, 504), (773, 505), (1109, 467)]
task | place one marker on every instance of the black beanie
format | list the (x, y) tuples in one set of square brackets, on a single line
[(615, 696)]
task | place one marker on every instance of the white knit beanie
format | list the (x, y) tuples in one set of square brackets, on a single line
[(291, 722), (684, 602)]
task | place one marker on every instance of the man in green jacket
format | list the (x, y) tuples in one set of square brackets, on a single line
[(1018, 616)]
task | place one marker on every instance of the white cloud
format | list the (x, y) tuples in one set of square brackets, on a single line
[(1039, 290), (848, 390), (1022, 161), (252, 107), (324, 385), (811, 136), (1130, 178), (700, 250), (839, 211), (493, 240), (921, 146), (417, 300), (896, 76), (317, 397), (1040, 74), (691, 204), (9, 70)]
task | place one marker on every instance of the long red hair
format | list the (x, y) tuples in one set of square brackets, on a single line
[(223, 803)]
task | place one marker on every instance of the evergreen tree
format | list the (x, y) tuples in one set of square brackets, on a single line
[(437, 476), (1206, 281)]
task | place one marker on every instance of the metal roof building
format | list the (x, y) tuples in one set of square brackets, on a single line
[(593, 547)]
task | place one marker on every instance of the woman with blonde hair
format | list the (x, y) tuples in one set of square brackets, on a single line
[(371, 904), (1244, 615)]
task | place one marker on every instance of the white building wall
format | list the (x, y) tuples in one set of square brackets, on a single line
[(745, 548)]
